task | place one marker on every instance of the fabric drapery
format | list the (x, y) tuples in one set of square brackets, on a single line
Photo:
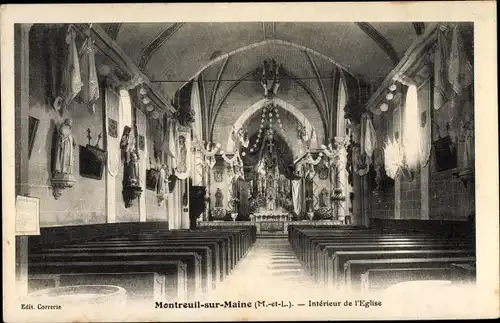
[(112, 102), (425, 117), (143, 154), (157, 133), (297, 195), (410, 128), (460, 74), (441, 85), (71, 81), (453, 76), (171, 141), (369, 140), (90, 89), (368, 143), (183, 161)]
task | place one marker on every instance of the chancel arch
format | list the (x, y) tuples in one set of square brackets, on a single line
[(254, 111)]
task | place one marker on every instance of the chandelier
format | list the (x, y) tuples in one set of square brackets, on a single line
[(270, 78)]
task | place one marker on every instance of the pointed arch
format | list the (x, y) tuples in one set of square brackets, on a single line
[(257, 106)]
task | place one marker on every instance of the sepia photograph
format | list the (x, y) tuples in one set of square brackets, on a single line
[(274, 167)]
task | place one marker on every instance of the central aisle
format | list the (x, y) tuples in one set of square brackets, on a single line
[(270, 269)]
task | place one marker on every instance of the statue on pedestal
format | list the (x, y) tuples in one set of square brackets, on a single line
[(63, 159), (63, 163)]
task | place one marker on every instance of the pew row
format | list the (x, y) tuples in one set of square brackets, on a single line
[(174, 264), (356, 257)]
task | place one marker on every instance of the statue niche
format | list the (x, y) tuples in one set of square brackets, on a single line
[(63, 158)]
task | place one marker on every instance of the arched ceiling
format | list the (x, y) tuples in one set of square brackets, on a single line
[(172, 53)]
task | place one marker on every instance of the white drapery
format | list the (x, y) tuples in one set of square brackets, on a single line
[(368, 143), (112, 102), (143, 154), (183, 167), (170, 143), (125, 111), (297, 195), (410, 128)]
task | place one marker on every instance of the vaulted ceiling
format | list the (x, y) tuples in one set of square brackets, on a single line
[(173, 53)]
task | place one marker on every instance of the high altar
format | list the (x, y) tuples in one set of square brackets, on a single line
[(273, 193)]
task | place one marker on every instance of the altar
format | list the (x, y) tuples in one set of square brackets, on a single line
[(271, 221)]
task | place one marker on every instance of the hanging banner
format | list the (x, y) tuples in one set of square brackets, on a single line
[(72, 81), (171, 141), (142, 146), (90, 89), (368, 141), (183, 168), (112, 102)]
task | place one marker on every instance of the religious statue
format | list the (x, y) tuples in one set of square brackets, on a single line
[(63, 163), (63, 159), (467, 137), (133, 170), (162, 181), (270, 199), (161, 184), (323, 195), (182, 166), (218, 198)]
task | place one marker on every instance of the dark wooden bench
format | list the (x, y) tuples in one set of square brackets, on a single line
[(326, 261), (204, 251), (325, 250), (354, 268), (342, 257), (374, 280), (123, 273), (191, 259)]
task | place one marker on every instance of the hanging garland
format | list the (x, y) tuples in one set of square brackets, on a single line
[(208, 152)]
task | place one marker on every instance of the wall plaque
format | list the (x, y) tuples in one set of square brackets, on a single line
[(27, 216)]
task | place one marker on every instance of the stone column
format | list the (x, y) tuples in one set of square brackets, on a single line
[(358, 214), (341, 176), (185, 204), (22, 88)]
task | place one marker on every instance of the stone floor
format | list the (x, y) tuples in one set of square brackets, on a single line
[(269, 269)]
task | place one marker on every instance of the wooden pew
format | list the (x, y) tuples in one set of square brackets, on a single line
[(324, 250), (218, 245), (326, 262), (123, 273), (374, 280), (342, 257), (204, 251), (241, 240), (318, 262), (354, 268), (191, 259)]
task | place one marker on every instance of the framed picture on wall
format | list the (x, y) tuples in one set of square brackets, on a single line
[(92, 161), (446, 154), (151, 179)]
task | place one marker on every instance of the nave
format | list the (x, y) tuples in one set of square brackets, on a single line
[(150, 264)]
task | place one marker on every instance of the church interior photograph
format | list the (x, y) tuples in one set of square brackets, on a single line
[(186, 161)]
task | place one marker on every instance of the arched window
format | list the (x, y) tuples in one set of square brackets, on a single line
[(411, 129)]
